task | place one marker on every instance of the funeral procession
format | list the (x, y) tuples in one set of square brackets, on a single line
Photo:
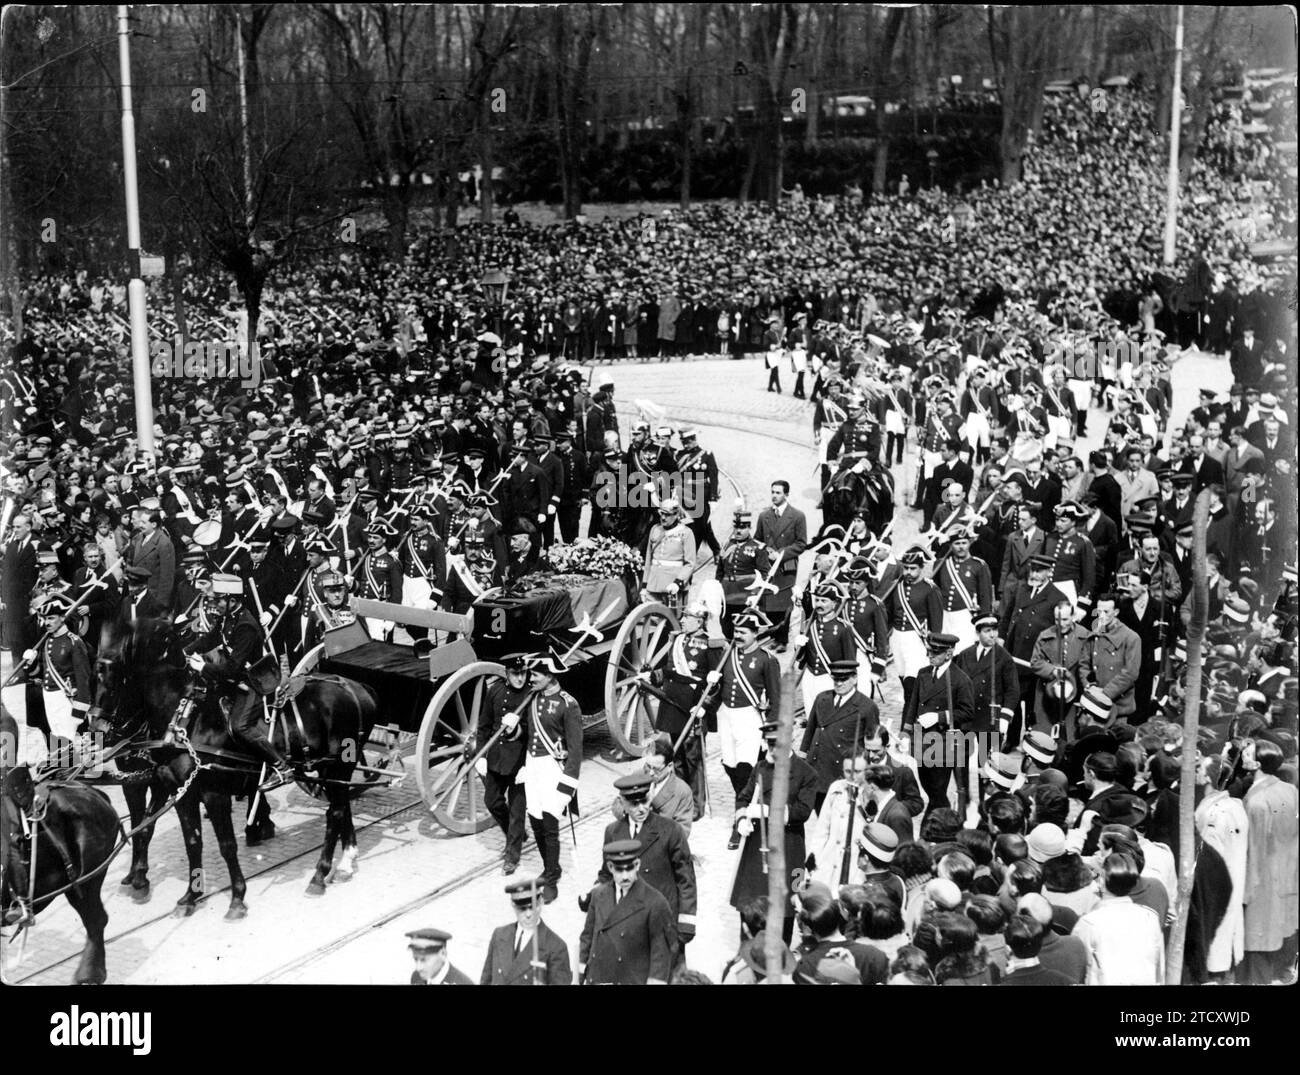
[(652, 493)]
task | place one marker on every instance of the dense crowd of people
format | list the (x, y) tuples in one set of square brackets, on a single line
[(408, 436)]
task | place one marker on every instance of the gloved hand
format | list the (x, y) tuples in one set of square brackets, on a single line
[(510, 721), (29, 656), (928, 720), (291, 601), (550, 509), (264, 619), (800, 640), (745, 827), (904, 744), (195, 661), (453, 544), (541, 516), (713, 677), (480, 767)]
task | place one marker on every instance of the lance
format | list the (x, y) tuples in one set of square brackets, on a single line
[(437, 794), (588, 628), (292, 593), (847, 863), (490, 490), (20, 666)]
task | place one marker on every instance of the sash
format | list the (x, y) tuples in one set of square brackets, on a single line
[(63, 685), (548, 744), (373, 583), (466, 575), (858, 640), (280, 487), (909, 613), (419, 563), (1057, 400), (960, 587), (187, 508), (678, 655), (979, 407), (745, 685)]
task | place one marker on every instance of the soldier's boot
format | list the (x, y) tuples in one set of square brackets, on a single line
[(248, 729), (546, 831)]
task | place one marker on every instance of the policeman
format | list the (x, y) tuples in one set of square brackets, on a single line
[(750, 688), (826, 640), (550, 773), (698, 471), (503, 795), (629, 937), (64, 667), (839, 719), (429, 949), (666, 863), (226, 654), (937, 712)]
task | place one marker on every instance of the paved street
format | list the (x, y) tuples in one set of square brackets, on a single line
[(410, 872)]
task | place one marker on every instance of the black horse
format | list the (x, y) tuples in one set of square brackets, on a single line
[(849, 492), (83, 822), (142, 681)]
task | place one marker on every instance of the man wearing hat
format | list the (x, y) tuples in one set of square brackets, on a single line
[(698, 471), (429, 949), (1074, 560), (865, 617), (1062, 666), (665, 855), (333, 611), (552, 763), (877, 846), (526, 951), (936, 715), (913, 611), (552, 467), (826, 640), (49, 578), (840, 719), (965, 586), (743, 562), (424, 565), (227, 655), (755, 825), (628, 937), (380, 577), (995, 684), (138, 602), (503, 792), (63, 666), (670, 556), (749, 688), (525, 491)]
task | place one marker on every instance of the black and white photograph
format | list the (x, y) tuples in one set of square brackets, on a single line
[(652, 493)]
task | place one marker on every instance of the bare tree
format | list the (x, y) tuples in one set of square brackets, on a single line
[(880, 48), (573, 34)]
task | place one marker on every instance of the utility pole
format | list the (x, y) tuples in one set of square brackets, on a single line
[(135, 290), (1175, 129)]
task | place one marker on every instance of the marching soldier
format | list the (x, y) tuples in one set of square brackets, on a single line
[(665, 855), (965, 587), (1074, 561), (424, 565), (381, 575), (681, 679), (826, 640), (628, 937), (995, 682), (64, 670), (942, 708), (914, 612), (839, 719), (503, 793), (750, 688), (669, 557), (227, 655), (550, 773), (526, 951), (865, 616), (699, 475)]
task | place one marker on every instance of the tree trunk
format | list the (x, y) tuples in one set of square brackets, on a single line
[(1191, 719), (777, 868), (486, 190), (397, 213), (880, 166)]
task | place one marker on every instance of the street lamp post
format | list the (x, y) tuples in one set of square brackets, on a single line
[(932, 158)]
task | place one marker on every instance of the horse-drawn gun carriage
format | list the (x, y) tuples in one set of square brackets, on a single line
[(435, 690)]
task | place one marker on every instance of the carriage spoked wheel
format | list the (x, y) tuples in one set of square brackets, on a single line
[(382, 755), (641, 645), (450, 787)]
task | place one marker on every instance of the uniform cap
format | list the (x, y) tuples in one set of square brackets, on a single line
[(634, 787), (525, 893), (622, 852), (428, 940), (135, 573), (986, 619), (227, 584), (939, 642), (1037, 563), (844, 669)]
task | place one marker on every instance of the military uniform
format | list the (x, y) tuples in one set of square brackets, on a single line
[(550, 772), (326, 618), (749, 690), (669, 559), (995, 690), (751, 880), (965, 587), (424, 569), (503, 795), (913, 610), (1074, 563), (65, 682), (681, 679), (380, 580), (856, 437), (698, 471), (939, 749), (828, 640), (743, 562), (666, 865), (836, 723)]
